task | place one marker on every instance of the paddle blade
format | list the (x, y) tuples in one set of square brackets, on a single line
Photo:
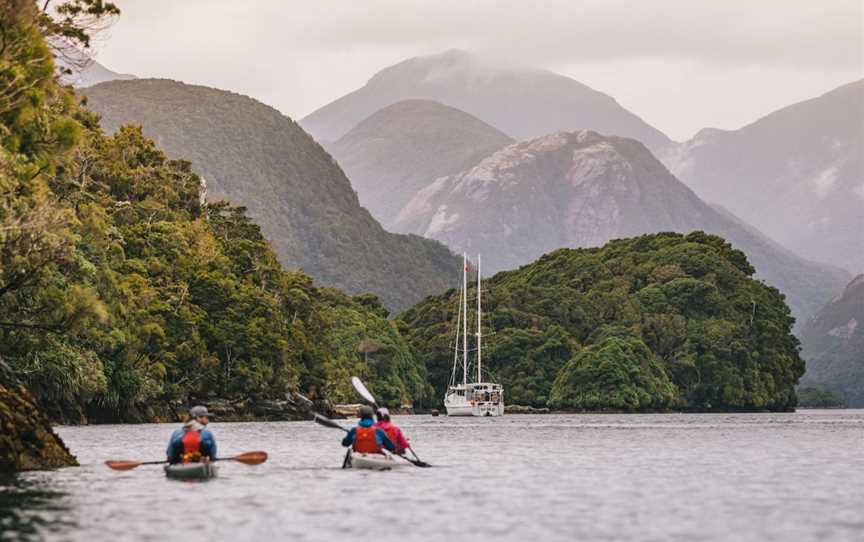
[(122, 465), (251, 458), (361, 389), (327, 422)]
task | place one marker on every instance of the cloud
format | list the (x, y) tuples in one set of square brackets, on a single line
[(300, 55)]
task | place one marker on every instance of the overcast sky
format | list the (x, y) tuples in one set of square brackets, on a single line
[(679, 64)]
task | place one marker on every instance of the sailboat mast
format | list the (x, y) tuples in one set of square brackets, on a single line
[(465, 319), (479, 322)]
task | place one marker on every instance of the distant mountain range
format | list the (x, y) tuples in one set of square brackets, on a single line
[(252, 155), (833, 343), (400, 149), (796, 174), (581, 189), (88, 72), (521, 102)]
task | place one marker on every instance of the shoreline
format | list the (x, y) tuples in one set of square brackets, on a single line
[(267, 411)]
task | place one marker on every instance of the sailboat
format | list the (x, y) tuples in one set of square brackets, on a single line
[(472, 396)]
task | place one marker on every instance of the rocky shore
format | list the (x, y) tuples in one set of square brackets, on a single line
[(27, 441), (223, 410), (523, 409)]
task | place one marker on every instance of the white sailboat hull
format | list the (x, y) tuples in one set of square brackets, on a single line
[(475, 410), (457, 405)]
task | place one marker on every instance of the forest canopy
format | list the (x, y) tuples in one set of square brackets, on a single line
[(655, 322), (121, 287)]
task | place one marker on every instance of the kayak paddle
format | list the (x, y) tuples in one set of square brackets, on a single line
[(361, 389), (364, 391), (248, 458)]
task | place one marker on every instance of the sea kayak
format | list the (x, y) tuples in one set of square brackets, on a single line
[(372, 461), (191, 471)]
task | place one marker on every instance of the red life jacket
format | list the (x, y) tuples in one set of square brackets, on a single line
[(365, 441), (191, 446)]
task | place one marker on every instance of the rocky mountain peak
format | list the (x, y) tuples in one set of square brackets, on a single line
[(398, 150)]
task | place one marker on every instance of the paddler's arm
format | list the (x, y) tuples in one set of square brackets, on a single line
[(349, 438), (175, 436), (401, 441), (208, 443), (384, 440)]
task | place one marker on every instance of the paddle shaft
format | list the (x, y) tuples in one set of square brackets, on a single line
[(248, 458)]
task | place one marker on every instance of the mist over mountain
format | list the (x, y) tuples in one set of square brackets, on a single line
[(796, 174), (833, 345), (521, 102), (581, 189), (252, 155), (398, 150)]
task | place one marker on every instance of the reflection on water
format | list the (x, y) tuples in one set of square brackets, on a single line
[(707, 477), (31, 508)]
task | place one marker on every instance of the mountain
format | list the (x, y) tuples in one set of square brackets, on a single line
[(581, 189), (654, 322), (521, 102), (400, 149), (252, 155), (87, 72), (796, 174), (833, 345)]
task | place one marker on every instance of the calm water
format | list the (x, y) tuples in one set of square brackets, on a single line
[(575, 477)]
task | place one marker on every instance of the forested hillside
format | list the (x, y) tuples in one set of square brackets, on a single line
[(648, 323), (252, 155), (120, 288), (834, 345)]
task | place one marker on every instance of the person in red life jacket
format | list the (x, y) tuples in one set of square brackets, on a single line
[(366, 438), (193, 442), (393, 433)]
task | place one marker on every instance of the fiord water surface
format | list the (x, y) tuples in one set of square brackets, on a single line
[(761, 477)]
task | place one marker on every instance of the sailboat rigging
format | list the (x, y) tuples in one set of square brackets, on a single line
[(473, 396)]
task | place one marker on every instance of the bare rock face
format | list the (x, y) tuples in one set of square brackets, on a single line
[(796, 174), (833, 345), (400, 149), (27, 441), (520, 101), (581, 189)]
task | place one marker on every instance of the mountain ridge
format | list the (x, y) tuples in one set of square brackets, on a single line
[(581, 189), (394, 152), (796, 174), (252, 155), (521, 102)]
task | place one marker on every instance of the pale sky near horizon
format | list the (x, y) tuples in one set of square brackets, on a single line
[(680, 65)]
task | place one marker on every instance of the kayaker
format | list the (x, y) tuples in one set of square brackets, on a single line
[(393, 433), (366, 438), (193, 441)]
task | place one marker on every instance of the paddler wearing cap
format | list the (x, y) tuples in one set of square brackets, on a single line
[(193, 442), (393, 433), (366, 438)]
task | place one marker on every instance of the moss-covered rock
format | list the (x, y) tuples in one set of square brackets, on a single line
[(27, 441)]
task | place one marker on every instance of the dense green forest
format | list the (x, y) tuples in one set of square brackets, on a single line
[(253, 155), (655, 322), (120, 286)]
